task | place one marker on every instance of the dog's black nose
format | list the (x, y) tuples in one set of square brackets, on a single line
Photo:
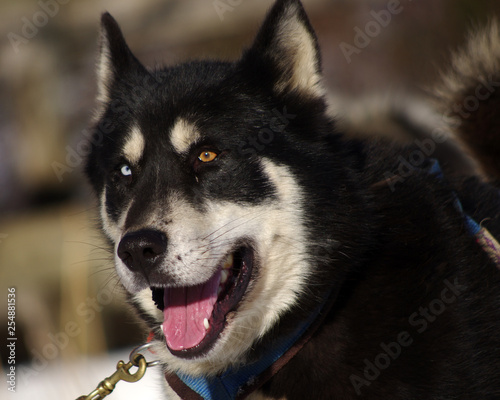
[(142, 251)]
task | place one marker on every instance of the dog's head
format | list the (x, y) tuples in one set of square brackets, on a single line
[(198, 169)]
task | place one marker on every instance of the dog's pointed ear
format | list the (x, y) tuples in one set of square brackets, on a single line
[(287, 45), (115, 58)]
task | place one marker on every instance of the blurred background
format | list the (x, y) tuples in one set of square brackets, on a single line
[(72, 323)]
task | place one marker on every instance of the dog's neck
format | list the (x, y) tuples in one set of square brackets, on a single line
[(237, 383)]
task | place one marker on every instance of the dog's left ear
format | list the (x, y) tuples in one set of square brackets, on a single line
[(287, 47)]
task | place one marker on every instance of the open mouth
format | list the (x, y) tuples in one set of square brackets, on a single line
[(195, 316)]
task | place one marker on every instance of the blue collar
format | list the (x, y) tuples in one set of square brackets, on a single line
[(236, 383)]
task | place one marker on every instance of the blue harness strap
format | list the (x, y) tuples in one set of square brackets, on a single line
[(230, 384), (483, 237)]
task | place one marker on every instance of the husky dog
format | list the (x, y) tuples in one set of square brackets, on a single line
[(273, 258)]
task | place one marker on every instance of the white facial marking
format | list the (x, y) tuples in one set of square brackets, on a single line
[(134, 145), (109, 227), (144, 299), (183, 135)]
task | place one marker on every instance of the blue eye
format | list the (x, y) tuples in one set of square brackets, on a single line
[(126, 170)]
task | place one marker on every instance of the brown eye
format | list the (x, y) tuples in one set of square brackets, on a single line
[(207, 156)]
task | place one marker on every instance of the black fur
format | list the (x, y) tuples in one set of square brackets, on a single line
[(389, 249)]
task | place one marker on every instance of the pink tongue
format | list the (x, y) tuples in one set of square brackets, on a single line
[(185, 311)]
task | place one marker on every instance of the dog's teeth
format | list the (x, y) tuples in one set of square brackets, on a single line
[(224, 276), (229, 262), (161, 327), (206, 324)]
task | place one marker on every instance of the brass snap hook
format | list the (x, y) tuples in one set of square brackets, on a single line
[(122, 373)]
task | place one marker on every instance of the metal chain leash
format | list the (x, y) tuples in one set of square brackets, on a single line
[(122, 373)]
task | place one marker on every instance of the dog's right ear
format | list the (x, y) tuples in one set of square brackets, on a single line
[(286, 50), (115, 58)]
